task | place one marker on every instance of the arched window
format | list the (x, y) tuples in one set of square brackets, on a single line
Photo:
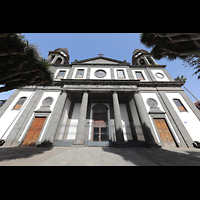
[(52, 58), (19, 104), (150, 60), (58, 61), (180, 105), (100, 112)]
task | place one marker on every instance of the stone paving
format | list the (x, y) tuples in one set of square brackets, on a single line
[(97, 156)]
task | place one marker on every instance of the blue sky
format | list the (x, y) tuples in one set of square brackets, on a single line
[(118, 46)]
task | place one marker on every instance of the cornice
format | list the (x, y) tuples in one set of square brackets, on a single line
[(120, 82)]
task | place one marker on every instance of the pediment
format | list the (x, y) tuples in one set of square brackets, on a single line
[(100, 60)]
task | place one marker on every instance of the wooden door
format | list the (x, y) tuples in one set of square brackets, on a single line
[(34, 131), (164, 132)]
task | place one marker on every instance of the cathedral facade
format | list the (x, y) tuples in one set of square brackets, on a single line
[(102, 102)]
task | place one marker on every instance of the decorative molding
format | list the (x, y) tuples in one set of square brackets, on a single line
[(43, 109)]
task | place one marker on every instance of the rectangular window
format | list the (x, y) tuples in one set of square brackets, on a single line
[(61, 74), (80, 73), (19, 104), (139, 76), (180, 105), (120, 74)]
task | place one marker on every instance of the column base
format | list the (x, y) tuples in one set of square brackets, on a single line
[(120, 144), (78, 143), (153, 145), (119, 136), (77, 146)]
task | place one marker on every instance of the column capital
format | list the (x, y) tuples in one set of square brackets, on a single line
[(86, 91), (136, 92), (114, 92)]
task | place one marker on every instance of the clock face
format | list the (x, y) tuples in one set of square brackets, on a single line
[(100, 73), (160, 75), (152, 102), (47, 101)]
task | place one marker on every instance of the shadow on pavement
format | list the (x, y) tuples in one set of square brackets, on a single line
[(9, 153), (138, 156), (158, 156)]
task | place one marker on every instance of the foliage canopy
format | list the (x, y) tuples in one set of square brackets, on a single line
[(20, 64), (185, 46)]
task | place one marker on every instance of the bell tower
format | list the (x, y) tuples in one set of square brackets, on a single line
[(142, 57), (58, 56)]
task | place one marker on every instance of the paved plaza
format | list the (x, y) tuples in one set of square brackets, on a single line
[(97, 156)]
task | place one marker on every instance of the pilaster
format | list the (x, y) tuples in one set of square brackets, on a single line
[(55, 118), (145, 121)]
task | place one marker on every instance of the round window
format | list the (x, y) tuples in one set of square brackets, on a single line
[(160, 75), (47, 101), (100, 73), (152, 102)]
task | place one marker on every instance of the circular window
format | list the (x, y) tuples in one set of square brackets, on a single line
[(47, 101), (152, 102), (160, 75), (100, 73)]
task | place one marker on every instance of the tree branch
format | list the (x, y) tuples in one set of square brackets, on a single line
[(13, 74), (3, 35), (11, 52)]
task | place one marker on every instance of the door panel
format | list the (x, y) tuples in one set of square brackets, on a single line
[(104, 134), (96, 134), (164, 131), (34, 131)]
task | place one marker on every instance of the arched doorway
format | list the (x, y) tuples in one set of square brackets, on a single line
[(100, 123)]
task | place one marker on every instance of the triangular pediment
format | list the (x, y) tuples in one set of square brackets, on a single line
[(100, 60)]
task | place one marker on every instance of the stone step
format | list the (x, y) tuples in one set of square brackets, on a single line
[(62, 143)]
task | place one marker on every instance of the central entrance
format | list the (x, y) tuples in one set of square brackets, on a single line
[(100, 132), (100, 123)]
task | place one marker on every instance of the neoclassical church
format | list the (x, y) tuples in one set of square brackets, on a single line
[(101, 101)]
